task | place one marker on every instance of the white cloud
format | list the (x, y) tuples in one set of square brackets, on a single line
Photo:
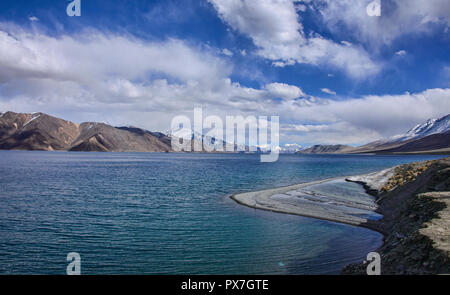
[(398, 17), (354, 60), (328, 91), (304, 128), (301, 7), (33, 19), (227, 52), (267, 22), (282, 64), (121, 78), (274, 28), (285, 91), (71, 58), (125, 80), (360, 120), (401, 52)]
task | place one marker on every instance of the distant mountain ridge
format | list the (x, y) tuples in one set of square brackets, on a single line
[(432, 126), (326, 149), (39, 131), (290, 148), (433, 136)]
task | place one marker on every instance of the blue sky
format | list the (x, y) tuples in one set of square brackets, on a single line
[(331, 72)]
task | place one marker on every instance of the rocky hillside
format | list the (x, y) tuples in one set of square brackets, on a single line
[(327, 149), (432, 143), (40, 131), (415, 203), (432, 136), (432, 126)]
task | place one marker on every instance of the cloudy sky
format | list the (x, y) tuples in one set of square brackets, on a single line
[(331, 72)]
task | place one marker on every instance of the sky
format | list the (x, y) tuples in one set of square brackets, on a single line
[(332, 73)]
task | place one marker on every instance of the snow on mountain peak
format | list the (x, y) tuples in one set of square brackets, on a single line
[(432, 126)]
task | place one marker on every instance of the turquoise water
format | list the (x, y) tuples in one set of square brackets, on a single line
[(133, 213)]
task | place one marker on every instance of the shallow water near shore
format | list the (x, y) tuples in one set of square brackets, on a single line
[(339, 196), (151, 213)]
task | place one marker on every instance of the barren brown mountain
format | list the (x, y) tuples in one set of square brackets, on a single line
[(40, 131)]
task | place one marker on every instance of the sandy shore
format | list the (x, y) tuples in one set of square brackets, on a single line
[(300, 200)]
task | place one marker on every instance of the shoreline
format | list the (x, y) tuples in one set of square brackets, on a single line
[(414, 201), (261, 200)]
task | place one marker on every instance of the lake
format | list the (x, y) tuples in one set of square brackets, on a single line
[(170, 213)]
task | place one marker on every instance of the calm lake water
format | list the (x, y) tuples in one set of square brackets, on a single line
[(152, 213)]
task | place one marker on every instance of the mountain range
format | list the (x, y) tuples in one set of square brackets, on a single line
[(39, 131), (432, 136)]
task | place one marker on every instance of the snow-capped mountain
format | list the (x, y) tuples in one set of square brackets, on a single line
[(432, 126), (431, 136), (290, 148)]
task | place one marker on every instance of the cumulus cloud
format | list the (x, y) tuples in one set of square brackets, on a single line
[(401, 52), (274, 28), (108, 75), (282, 64), (328, 91), (285, 91), (98, 56), (398, 17), (299, 128), (227, 52), (125, 80), (360, 120)]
